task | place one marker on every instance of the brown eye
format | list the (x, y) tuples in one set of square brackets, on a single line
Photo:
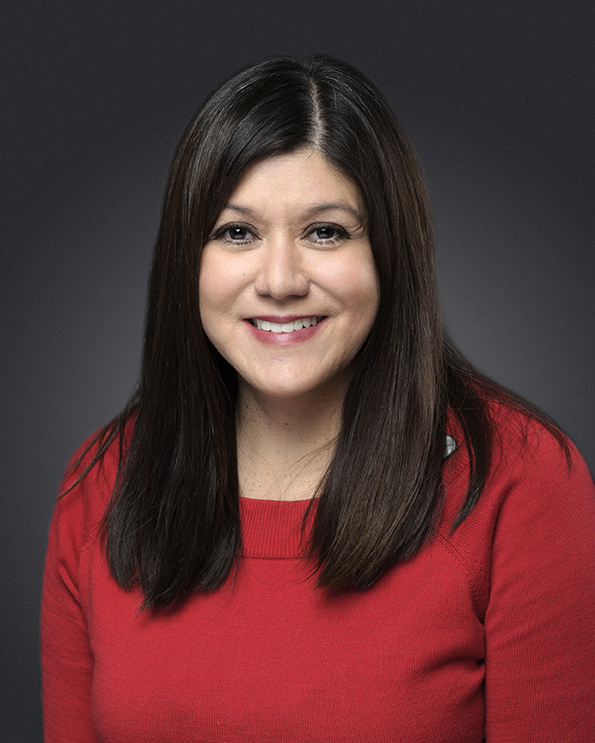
[(325, 233), (238, 233), (235, 234)]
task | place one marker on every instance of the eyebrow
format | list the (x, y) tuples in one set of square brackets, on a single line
[(310, 211)]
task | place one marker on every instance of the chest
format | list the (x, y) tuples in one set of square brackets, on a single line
[(269, 657)]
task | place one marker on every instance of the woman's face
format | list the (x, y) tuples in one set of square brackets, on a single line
[(288, 287)]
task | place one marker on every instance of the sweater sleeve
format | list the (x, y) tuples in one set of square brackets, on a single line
[(66, 658), (540, 621)]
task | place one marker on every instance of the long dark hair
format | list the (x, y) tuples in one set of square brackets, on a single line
[(173, 522)]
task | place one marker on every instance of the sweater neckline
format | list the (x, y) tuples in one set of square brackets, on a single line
[(275, 529), (272, 529)]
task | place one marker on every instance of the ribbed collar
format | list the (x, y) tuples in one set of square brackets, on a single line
[(272, 529)]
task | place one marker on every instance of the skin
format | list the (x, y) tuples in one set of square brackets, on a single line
[(290, 244)]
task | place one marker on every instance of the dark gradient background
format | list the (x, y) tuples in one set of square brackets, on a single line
[(497, 97)]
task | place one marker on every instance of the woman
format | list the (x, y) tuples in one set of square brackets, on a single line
[(314, 520)]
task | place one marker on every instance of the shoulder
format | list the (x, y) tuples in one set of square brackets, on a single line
[(538, 501), (527, 455), (85, 492), (542, 488), (539, 460)]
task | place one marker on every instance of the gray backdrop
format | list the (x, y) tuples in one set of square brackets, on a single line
[(497, 97)]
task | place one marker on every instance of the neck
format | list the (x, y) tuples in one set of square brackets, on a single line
[(285, 446)]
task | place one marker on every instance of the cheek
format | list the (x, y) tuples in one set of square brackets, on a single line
[(211, 293), (218, 284), (362, 292)]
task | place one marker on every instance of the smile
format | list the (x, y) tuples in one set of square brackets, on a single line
[(287, 327)]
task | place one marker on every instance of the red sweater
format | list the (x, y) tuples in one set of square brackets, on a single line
[(492, 627)]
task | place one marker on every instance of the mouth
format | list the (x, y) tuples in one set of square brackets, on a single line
[(286, 327)]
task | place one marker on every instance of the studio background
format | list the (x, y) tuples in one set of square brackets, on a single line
[(498, 99)]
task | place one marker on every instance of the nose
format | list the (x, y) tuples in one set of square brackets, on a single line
[(281, 272)]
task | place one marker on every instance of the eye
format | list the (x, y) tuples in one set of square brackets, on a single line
[(327, 234), (235, 234)]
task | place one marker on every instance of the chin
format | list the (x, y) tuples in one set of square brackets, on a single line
[(292, 391)]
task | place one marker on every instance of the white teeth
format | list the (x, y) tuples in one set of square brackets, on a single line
[(287, 327)]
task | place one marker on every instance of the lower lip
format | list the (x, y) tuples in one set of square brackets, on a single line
[(285, 339)]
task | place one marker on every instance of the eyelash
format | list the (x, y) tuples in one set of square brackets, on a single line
[(340, 234)]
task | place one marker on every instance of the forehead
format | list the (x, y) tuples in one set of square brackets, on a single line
[(302, 179)]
